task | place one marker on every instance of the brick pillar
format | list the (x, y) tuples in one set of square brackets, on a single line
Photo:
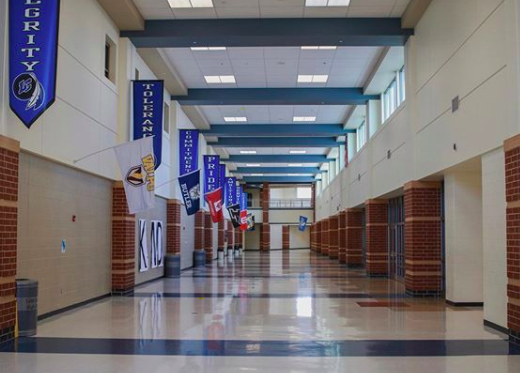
[(512, 165), (377, 237), (422, 201), (123, 243), (285, 237), (9, 163), (238, 238), (208, 236), (325, 237), (334, 237), (313, 201), (342, 234), (312, 229), (265, 237), (199, 230), (354, 238), (230, 235), (221, 235), (319, 236), (173, 227)]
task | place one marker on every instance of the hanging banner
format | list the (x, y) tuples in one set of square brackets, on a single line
[(222, 181), (190, 190), (234, 214), (243, 209), (230, 189), (212, 190), (143, 247), (136, 162), (189, 179), (148, 113), (189, 151), (303, 223), (33, 56), (250, 222), (156, 239)]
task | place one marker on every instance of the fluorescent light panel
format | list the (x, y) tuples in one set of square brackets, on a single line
[(323, 3), (248, 152), (315, 48), (253, 165), (198, 49), (298, 152), (313, 78), (304, 119), (295, 165), (257, 174), (220, 79), (235, 119), (191, 3)]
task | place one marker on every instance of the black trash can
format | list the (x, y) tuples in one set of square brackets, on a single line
[(199, 258), (172, 266), (27, 300)]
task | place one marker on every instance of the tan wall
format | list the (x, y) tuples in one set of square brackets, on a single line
[(50, 194), (157, 213)]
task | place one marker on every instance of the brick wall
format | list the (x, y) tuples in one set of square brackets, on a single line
[(265, 231), (377, 237), (285, 237), (199, 230), (422, 202), (325, 237), (334, 237), (319, 236), (342, 238), (173, 229), (208, 237), (123, 243), (512, 165), (221, 235), (9, 163), (354, 238)]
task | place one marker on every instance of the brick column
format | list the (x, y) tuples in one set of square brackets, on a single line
[(208, 237), (342, 233), (422, 201), (334, 237), (199, 230), (285, 237), (9, 163), (377, 237), (238, 238), (512, 165), (354, 238), (173, 228), (222, 235), (123, 243), (230, 235), (319, 236), (313, 201), (325, 237), (265, 237), (312, 229)]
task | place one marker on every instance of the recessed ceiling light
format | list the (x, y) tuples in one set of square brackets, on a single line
[(248, 152), (220, 79), (197, 49), (191, 3), (313, 78), (295, 165), (298, 152), (304, 119), (253, 165), (323, 47), (293, 174), (257, 175), (235, 119), (327, 2)]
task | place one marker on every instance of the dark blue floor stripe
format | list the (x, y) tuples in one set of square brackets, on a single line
[(270, 295), (388, 348)]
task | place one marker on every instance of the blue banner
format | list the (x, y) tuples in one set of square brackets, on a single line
[(190, 190), (303, 223), (189, 151), (33, 57), (221, 181), (230, 191), (211, 173), (148, 113), (243, 200)]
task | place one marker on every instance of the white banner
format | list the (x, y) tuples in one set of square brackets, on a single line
[(137, 164)]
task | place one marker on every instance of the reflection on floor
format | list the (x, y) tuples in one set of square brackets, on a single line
[(275, 312)]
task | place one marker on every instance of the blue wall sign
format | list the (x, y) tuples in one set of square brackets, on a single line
[(189, 151), (148, 113), (33, 57)]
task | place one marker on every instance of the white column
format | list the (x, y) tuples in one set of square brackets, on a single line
[(373, 116), (352, 145)]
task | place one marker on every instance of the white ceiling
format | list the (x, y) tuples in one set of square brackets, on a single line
[(275, 67), (283, 114), (280, 151), (160, 9), (278, 164)]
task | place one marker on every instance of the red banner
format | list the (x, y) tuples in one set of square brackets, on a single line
[(243, 220), (214, 200)]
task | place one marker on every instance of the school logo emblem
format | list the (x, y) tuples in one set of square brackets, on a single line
[(26, 87), (195, 192), (142, 174)]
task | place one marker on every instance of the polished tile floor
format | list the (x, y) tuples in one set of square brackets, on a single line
[(278, 312)]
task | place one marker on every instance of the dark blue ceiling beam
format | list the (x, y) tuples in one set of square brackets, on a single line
[(278, 179), (291, 158), (261, 130), (278, 170), (285, 32), (269, 142), (275, 96)]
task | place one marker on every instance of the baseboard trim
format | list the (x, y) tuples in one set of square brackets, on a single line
[(464, 304), (496, 327), (72, 307)]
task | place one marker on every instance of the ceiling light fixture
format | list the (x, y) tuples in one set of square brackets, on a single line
[(220, 79), (298, 152), (235, 119), (248, 152), (191, 3), (315, 48), (304, 119), (295, 165), (313, 78), (253, 165), (312, 3), (198, 49)]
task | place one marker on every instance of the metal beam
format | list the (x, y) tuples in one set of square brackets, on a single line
[(303, 158), (268, 142), (266, 130), (278, 170), (285, 32), (279, 179), (275, 96)]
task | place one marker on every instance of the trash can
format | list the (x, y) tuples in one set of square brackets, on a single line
[(172, 266), (27, 300), (199, 258)]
